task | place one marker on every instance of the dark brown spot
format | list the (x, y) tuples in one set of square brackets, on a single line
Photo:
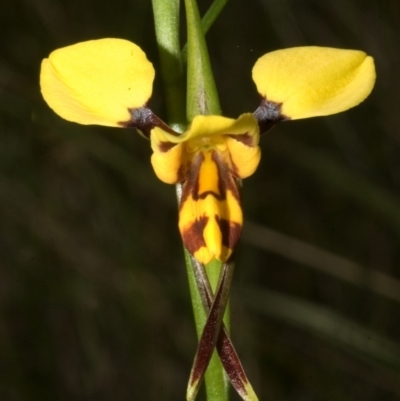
[(165, 146), (230, 232), (145, 120), (269, 114), (192, 236)]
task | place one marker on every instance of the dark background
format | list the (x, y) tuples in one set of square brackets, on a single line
[(94, 302)]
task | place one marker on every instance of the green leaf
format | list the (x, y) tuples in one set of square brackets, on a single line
[(325, 323), (208, 20)]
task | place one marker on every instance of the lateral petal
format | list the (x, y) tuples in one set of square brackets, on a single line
[(168, 165), (97, 82), (314, 81), (245, 159)]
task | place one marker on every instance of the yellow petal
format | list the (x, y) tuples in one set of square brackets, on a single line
[(210, 214), (168, 165), (314, 81), (209, 126), (245, 159), (97, 81)]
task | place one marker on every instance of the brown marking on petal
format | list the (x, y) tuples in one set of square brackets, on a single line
[(235, 170), (245, 138), (230, 231), (164, 147), (145, 120), (196, 195), (193, 231), (269, 114), (181, 173), (192, 236), (225, 181), (227, 178), (204, 195), (224, 176), (191, 184)]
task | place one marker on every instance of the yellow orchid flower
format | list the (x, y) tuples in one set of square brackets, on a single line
[(109, 82), (209, 159)]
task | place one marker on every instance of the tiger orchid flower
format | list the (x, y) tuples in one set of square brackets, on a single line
[(109, 82)]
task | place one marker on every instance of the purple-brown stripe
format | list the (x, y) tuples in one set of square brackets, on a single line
[(192, 236)]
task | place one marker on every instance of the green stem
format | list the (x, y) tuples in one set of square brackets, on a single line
[(202, 95), (202, 98), (166, 19)]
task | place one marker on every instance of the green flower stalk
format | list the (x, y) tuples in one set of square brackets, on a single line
[(109, 82)]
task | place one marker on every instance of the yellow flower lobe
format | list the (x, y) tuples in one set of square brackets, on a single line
[(97, 82), (314, 81)]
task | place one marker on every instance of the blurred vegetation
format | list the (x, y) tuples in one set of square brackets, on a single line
[(94, 303)]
